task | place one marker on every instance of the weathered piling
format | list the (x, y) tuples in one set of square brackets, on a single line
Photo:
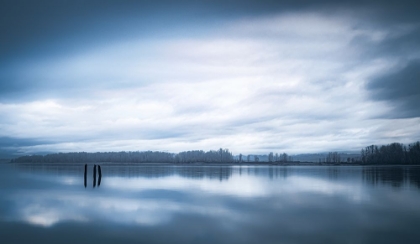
[(100, 175)]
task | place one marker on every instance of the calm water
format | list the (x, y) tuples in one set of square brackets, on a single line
[(209, 204)]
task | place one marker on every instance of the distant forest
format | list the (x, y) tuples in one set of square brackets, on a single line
[(219, 156), (395, 153)]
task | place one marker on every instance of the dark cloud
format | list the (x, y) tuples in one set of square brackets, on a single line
[(10, 146), (401, 89), (33, 30), (403, 44), (20, 142), (38, 27), (400, 44)]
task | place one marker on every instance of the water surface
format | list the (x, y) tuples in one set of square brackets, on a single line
[(209, 204)]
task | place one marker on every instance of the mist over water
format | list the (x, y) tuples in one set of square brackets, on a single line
[(209, 204)]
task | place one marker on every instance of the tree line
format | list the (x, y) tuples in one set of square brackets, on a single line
[(271, 158), (394, 153), (213, 156)]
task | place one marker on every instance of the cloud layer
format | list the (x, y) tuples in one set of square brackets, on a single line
[(298, 79)]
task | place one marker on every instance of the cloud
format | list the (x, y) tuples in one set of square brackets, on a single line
[(12, 146), (62, 28), (401, 89), (295, 80)]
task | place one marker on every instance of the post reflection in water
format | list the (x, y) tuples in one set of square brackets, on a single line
[(212, 204), (94, 176), (85, 175)]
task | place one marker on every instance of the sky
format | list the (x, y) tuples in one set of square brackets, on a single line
[(251, 76)]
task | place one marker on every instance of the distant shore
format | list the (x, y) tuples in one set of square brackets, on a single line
[(207, 164), (392, 154)]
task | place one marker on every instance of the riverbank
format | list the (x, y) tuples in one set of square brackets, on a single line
[(207, 164)]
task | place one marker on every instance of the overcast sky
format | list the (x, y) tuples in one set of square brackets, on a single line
[(250, 76)]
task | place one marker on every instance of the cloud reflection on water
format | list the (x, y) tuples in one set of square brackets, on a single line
[(161, 204), (153, 201)]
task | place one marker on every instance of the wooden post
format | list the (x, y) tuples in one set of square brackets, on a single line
[(100, 175)]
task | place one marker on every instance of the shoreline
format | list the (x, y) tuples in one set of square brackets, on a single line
[(206, 164)]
